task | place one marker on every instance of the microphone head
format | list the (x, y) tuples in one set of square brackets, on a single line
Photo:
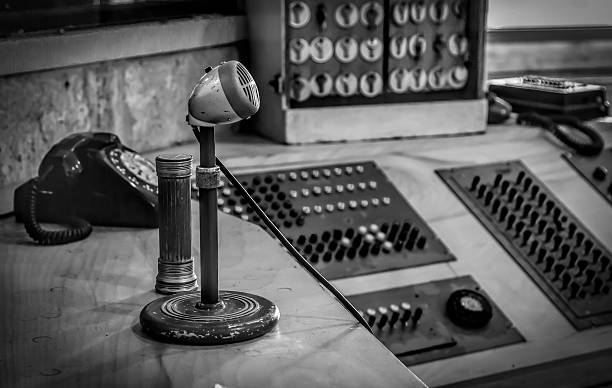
[(224, 95)]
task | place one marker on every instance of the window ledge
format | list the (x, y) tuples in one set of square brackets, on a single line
[(29, 54)]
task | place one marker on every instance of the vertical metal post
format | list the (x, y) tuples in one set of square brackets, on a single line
[(175, 271), (209, 243)]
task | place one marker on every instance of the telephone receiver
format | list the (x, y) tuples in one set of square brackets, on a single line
[(87, 178)]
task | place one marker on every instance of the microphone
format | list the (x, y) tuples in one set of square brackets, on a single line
[(225, 94)]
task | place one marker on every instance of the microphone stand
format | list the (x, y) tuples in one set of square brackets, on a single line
[(210, 317)]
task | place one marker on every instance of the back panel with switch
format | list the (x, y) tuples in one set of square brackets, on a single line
[(559, 253), (347, 219), (342, 54), (435, 320)]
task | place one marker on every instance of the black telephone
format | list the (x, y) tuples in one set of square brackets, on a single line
[(88, 178)]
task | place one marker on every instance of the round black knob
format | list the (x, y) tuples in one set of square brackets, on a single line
[(600, 173), (469, 309)]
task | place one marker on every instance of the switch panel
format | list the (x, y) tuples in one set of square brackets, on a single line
[(435, 320), (397, 50), (346, 219), (595, 169), (563, 258)]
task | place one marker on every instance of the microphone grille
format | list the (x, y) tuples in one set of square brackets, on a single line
[(248, 85)]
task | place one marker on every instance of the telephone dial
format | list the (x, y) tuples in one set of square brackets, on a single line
[(88, 178)]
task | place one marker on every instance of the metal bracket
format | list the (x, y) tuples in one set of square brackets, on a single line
[(208, 177)]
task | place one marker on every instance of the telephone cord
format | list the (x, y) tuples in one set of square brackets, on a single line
[(78, 227)]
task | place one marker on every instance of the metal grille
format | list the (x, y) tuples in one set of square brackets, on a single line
[(248, 85)]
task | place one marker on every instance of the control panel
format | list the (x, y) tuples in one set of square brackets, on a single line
[(595, 169), (346, 219), (359, 52), (342, 70), (435, 320), (559, 253)]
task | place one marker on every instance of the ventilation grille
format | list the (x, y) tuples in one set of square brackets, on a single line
[(248, 85)]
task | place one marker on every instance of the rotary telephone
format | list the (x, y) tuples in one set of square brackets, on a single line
[(87, 178)]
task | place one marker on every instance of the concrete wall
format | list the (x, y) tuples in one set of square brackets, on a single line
[(143, 100)]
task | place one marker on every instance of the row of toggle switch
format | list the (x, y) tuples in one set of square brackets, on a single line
[(362, 241), (346, 15), (417, 12), (394, 316), (328, 189), (552, 242), (343, 205), (370, 84), (321, 49), (371, 13)]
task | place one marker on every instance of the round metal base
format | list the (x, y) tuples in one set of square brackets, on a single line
[(182, 319)]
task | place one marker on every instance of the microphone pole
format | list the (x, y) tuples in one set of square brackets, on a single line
[(208, 317)]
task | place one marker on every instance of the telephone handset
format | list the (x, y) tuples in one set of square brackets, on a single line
[(88, 178)]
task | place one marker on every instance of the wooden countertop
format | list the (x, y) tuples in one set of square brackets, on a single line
[(74, 308)]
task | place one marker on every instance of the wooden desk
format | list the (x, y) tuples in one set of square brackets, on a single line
[(70, 318), (74, 308)]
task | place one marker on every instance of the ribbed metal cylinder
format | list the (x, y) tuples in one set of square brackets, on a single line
[(175, 270)]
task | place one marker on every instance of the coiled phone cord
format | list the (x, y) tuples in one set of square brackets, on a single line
[(78, 227), (552, 124), (294, 252)]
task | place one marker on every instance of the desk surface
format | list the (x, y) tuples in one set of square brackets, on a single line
[(70, 318), (91, 301)]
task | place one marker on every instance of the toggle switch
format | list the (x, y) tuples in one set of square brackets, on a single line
[(416, 317), (299, 51), (457, 77), (372, 14), (437, 78), (321, 85), (417, 80), (347, 15), (371, 49), (382, 320), (346, 85), (370, 85), (457, 45), (459, 8), (418, 11), (371, 316), (401, 13), (399, 80), (398, 46), (406, 312), (299, 14), (346, 49), (395, 313), (439, 11), (299, 89), (321, 49), (417, 45)]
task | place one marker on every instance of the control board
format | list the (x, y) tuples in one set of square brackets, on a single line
[(340, 55), (345, 53), (435, 320), (346, 219), (562, 257), (595, 169)]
